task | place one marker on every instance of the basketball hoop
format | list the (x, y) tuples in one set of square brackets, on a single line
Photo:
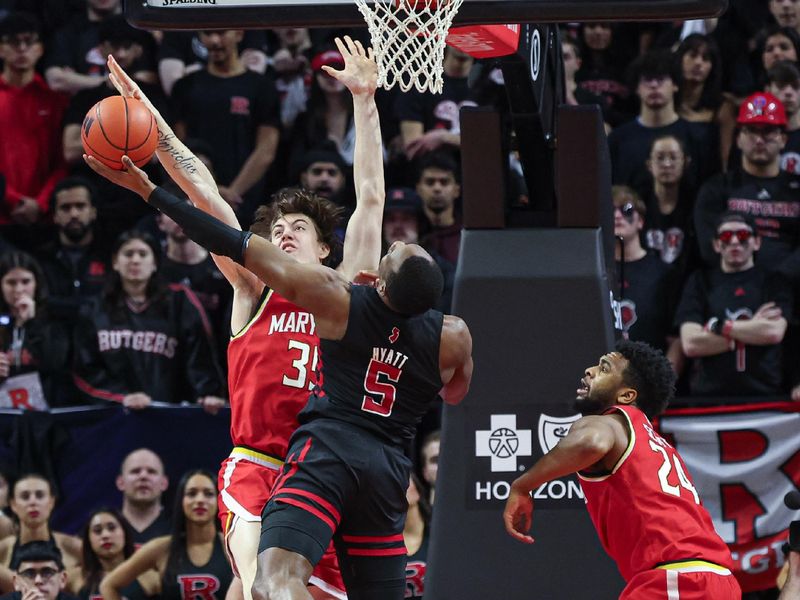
[(408, 39)]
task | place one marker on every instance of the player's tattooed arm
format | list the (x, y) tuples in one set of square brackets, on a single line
[(168, 144), (183, 166), (191, 174)]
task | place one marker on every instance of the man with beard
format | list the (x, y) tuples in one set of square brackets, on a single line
[(638, 492), (401, 223), (323, 172), (75, 263), (758, 188), (438, 187), (142, 482)]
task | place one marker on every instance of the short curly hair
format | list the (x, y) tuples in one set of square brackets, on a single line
[(325, 214), (650, 374), (416, 286)]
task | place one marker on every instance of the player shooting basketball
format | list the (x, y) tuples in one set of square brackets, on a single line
[(273, 352), (387, 356)]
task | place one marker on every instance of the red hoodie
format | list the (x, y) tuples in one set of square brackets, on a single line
[(31, 157)]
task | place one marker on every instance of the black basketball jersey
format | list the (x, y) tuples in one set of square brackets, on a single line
[(206, 582), (384, 373)]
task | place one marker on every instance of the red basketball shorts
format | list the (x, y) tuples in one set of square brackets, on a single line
[(683, 583), (246, 478)]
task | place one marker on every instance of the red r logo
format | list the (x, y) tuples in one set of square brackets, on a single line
[(20, 398), (198, 587)]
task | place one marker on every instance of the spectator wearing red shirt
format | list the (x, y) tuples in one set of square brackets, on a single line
[(30, 119)]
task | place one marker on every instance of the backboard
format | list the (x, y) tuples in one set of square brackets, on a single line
[(260, 14)]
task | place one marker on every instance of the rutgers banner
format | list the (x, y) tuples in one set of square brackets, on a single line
[(743, 460)]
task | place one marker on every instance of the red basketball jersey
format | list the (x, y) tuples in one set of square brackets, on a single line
[(647, 511), (272, 365)]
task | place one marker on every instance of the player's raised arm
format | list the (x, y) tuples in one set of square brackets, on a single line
[(589, 440), (187, 171), (362, 242), (320, 290)]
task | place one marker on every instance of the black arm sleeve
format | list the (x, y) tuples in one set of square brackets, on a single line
[(211, 233)]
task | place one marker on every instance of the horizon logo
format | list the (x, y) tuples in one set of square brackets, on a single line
[(503, 443)]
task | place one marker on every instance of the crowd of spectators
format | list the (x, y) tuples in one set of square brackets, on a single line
[(138, 550), (103, 301)]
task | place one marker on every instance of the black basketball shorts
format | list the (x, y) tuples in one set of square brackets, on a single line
[(343, 483)]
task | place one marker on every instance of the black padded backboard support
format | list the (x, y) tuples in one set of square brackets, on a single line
[(537, 304), (226, 14)]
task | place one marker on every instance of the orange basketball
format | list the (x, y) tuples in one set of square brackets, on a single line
[(117, 126)]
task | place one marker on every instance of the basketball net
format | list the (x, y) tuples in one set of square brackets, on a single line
[(408, 39)]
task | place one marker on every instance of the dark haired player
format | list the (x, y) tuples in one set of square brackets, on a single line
[(387, 355), (273, 353), (638, 493)]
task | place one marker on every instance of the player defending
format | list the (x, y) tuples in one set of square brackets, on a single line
[(386, 354), (273, 352), (638, 492)]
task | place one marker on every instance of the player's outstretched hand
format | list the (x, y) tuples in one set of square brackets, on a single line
[(132, 178), (125, 84), (518, 515), (360, 73)]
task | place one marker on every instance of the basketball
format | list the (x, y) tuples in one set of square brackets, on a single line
[(117, 126)]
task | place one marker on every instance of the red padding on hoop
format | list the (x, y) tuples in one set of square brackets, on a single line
[(485, 41)]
